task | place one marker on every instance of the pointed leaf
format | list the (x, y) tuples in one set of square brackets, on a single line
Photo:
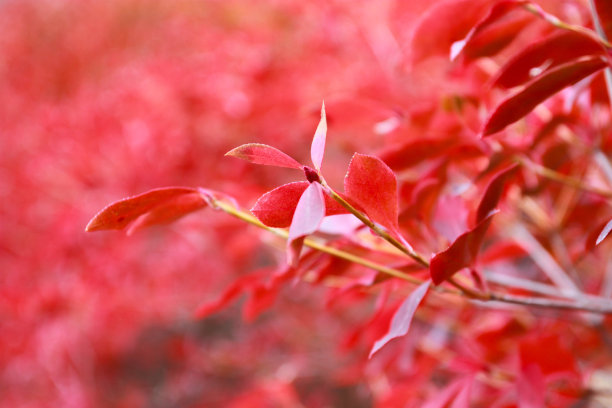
[(539, 89), (493, 192), (276, 208), (457, 391), (604, 232), (546, 54), (263, 154), (416, 151), (318, 141), (242, 285), (604, 14), (308, 215), (443, 24), (497, 11), (372, 185), (461, 253), (159, 206), (402, 319)]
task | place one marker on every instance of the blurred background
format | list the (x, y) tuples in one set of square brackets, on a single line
[(100, 100)]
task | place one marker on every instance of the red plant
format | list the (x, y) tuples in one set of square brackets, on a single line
[(463, 262)]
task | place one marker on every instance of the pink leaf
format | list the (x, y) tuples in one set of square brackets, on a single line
[(443, 24), (402, 319), (604, 232), (263, 154), (276, 207), (539, 89), (308, 215), (157, 206), (318, 141), (493, 192), (546, 54), (373, 186), (457, 391), (461, 253), (531, 387)]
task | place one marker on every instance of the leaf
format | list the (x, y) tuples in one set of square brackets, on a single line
[(414, 152), (497, 11), (276, 208), (443, 24), (546, 53), (263, 154), (604, 232), (373, 186), (539, 89), (317, 148), (495, 37), (402, 319), (531, 387), (457, 391), (461, 253), (604, 14), (308, 215), (238, 287), (493, 192), (157, 206)]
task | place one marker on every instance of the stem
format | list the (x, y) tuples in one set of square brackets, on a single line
[(561, 178), (406, 249), (589, 304)]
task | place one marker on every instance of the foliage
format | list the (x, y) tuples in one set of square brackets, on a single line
[(463, 263)]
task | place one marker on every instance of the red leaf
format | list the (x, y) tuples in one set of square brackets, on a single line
[(546, 53), (308, 215), (238, 287), (169, 211), (531, 387), (414, 152), (263, 154), (496, 37), (402, 319), (458, 391), (443, 24), (604, 14), (276, 208), (539, 89), (493, 192), (373, 186), (156, 206), (318, 141), (461, 253)]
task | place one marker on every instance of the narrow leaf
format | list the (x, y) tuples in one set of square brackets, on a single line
[(497, 11), (604, 232), (276, 208), (604, 16), (414, 152), (263, 154), (402, 319), (318, 141), (546, 54), (372, 185), (443, 24), (461, 253), (160, 205), (168, 211), (308, 215), (539, 89), (493, 192)]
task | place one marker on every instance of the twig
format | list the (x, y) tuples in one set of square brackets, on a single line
[(584, 303)]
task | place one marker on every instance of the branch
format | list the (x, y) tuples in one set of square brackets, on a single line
[(585, 303)]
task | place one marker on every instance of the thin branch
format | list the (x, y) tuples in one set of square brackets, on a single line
[(584, 303), (561, 178)]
